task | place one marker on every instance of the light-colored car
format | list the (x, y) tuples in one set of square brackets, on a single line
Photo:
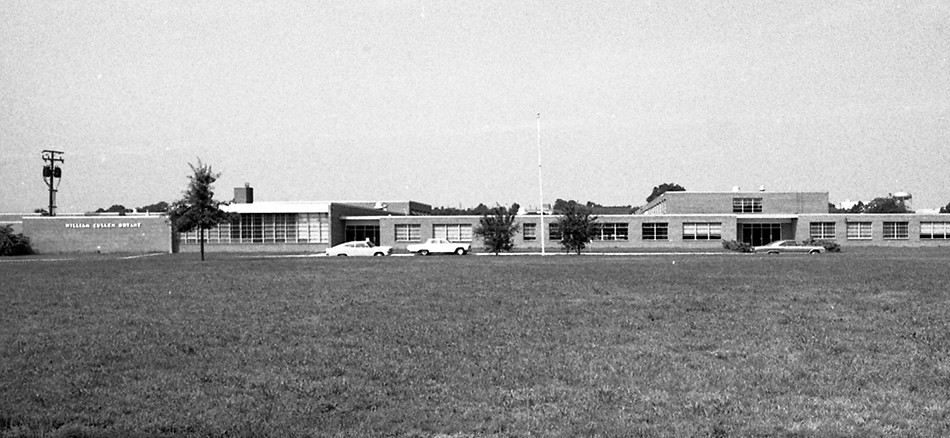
[(780, 246), (359, 248), (439, 246)]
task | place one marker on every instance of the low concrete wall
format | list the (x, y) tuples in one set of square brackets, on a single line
[(107, 234)]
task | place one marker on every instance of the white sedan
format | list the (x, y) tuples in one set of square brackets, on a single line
[(780, 246), (439, 246), (359, 248)]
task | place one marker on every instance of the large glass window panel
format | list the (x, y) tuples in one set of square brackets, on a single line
[(702, 231), (821, 230), (529, 231), (859, 230), (895, 230), (408, 232), (655, 231)]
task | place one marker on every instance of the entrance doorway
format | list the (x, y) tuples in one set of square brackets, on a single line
[(760, 234), (363, 232)]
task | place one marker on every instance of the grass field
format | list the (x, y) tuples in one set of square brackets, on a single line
[(850, 344)]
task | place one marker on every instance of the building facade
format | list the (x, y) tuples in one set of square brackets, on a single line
[(675, 220)]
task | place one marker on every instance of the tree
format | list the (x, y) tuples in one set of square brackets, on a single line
[(479, 210), (577, 226), (116, 208), (198, 209), (857, 208), (886, 205), (158, 207), (498, 229), (945, 209), (561, 205), (663, 188)]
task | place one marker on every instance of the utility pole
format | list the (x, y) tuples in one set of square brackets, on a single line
[(51, 172)]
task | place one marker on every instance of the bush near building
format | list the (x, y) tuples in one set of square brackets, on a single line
[(827, 244), (734, 245), (13, 244)]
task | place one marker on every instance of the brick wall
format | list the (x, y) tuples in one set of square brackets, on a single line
[(107, 234), (721, 202)]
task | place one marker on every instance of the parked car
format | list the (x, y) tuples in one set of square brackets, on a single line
[(359, 248), (780, 246), (439, 246)]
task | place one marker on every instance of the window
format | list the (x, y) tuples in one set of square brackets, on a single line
[(821, 230), (895, 230), (702, 231), (251, 228), (554, 233), (529, 231), (935, 230), (859, 230), (746, 205), (453, 232), (313, 228), (408, 232), (656, 231), (612, 231)]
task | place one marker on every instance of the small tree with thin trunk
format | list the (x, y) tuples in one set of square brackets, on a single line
[(198, 209), (577, 227), (498, 229)]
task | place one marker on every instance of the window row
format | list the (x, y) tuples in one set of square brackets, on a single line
[(746, 205), (267, 228), (891, 230), (862, 230), (451, 232), (605, 232), (649, 231)]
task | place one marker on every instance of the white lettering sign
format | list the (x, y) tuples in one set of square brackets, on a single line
[(106, 225)]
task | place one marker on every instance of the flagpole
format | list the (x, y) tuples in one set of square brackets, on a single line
[(540, 188)]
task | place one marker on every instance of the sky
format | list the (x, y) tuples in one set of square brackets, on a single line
[(439, 101)]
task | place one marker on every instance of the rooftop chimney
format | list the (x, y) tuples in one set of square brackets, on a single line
[(244, 195)]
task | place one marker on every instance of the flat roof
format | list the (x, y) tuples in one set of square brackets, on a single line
[(745, 192), (278, 207)]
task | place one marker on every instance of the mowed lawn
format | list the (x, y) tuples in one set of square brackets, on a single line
[(850, 344)]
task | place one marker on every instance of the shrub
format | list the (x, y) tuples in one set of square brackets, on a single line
[(734, 245), (577, 226), (498, 229), (13, 244), (827, 244)]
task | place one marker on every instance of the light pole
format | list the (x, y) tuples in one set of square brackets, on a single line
[(540, 187), (50, 173)]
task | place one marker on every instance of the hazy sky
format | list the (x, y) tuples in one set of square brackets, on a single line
[(437, 101)]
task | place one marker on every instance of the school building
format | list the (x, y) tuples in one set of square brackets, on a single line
[(685, 220)]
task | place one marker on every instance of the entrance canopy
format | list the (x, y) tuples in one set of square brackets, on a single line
[(759, 218)]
